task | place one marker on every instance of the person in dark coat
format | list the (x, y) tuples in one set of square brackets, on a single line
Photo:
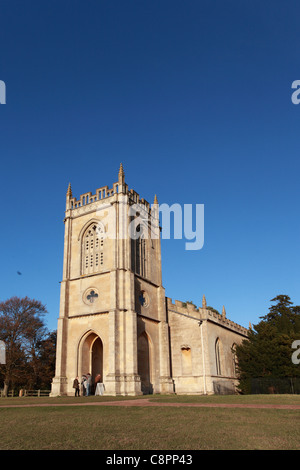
[(76, 386)]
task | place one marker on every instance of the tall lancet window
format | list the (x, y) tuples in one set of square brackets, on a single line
[(140, 252), (218, 356), (92, 249)]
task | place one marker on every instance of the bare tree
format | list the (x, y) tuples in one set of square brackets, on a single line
[(21, 329)]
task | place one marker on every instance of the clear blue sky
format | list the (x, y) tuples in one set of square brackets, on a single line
[(194, 97)]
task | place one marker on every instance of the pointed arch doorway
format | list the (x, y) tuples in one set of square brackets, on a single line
[(97, 358), (91, 355), (145, 363)]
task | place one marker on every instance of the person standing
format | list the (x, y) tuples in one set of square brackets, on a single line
[(76, 386), (88, 384), (83, 384)]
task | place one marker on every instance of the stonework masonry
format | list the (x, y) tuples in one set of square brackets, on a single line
[(115, 318)]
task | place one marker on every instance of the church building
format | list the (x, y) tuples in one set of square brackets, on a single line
[(115, 319)]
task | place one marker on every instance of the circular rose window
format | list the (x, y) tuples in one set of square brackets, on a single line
[(90, 296), (144, 299)]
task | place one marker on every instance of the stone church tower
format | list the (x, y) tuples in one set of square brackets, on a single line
[(112, 310), (114, 317)]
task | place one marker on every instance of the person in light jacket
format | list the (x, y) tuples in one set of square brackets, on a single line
[(88, 384), (83, 384)]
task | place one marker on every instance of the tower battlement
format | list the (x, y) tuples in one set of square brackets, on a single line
[(105, 192), (88, 198)]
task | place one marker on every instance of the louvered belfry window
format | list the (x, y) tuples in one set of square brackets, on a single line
[(92, 249)]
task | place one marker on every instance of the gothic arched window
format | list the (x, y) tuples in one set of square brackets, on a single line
[(218, 356), (92, 254), (139, 252), (234, 360)]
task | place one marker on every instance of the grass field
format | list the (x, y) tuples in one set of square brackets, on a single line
[(150, 428)]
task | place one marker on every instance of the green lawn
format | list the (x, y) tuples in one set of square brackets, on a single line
[(239, 399), (159, 428)]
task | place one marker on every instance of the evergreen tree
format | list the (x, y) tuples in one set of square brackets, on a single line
[(267, 351)]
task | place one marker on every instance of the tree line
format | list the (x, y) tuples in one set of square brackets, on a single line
[(29, 346)]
